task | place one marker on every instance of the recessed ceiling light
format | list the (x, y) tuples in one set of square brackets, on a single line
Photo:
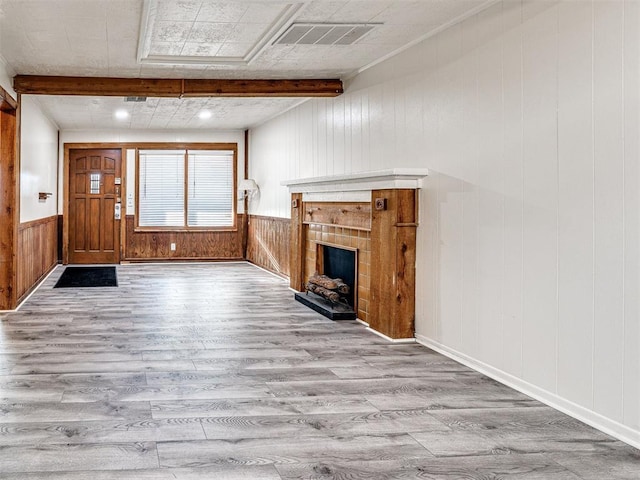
[(204, 115), (122, 114)]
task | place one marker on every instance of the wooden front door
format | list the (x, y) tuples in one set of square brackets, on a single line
[(95, 185)]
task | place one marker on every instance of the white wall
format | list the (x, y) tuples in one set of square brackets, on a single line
[(38, 161), (528, 247), (161, 136), (38, 155), (6, 76)]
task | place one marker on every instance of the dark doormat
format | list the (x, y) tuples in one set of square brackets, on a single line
[(88, 277)]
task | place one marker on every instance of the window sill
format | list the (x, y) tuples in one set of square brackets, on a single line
[(185, 230)]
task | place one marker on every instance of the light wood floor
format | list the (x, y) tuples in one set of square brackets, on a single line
[(214, 372)]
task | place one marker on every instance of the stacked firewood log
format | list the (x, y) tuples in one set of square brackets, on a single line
[(332, 289)]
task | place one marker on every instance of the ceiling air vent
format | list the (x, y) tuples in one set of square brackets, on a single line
[(324, 33), (135, 99)]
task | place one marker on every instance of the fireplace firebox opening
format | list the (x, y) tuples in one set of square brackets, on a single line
[(337, 270), (339, 262)]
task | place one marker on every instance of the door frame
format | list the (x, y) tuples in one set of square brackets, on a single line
[(66, 199), (10, 113)]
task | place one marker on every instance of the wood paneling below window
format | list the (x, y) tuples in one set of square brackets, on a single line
[(190, 245)]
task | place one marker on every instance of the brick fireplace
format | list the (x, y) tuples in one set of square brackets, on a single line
[(375, 214)]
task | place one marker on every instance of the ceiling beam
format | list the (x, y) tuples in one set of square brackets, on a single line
[(176, 88), (262, 88), (96, 86)]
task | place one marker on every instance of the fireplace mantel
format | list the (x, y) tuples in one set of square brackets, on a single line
[(396, 178)]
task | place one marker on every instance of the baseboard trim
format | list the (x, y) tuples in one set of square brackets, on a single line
[(32, 290), (35, 285), (600, 422), (274, 274), (389, 339)]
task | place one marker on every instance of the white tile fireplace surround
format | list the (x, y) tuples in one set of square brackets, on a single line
[(374, 213)]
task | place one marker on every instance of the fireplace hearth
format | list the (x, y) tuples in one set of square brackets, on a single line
[(333, 311)]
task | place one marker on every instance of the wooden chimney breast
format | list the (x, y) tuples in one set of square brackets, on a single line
[(375, 213)]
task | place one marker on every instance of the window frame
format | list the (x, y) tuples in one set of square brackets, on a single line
[(232, 147)]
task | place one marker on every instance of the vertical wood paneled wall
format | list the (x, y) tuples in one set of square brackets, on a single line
[(193, 245), (269, 243), (37, 252)]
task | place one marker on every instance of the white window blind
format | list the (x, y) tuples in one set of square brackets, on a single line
[(209, 186), (161, 188)]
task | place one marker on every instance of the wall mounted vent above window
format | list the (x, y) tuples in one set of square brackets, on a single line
[(135, 99), (324, 33)]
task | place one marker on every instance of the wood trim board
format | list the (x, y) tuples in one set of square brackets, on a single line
[(342, 214), (7, 102), (10, 211), (175, 87)]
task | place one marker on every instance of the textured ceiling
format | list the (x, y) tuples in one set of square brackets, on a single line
[(202, 39), (162, 113), (209, 32)]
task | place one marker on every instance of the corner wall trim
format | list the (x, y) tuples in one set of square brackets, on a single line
[(591, 418)]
